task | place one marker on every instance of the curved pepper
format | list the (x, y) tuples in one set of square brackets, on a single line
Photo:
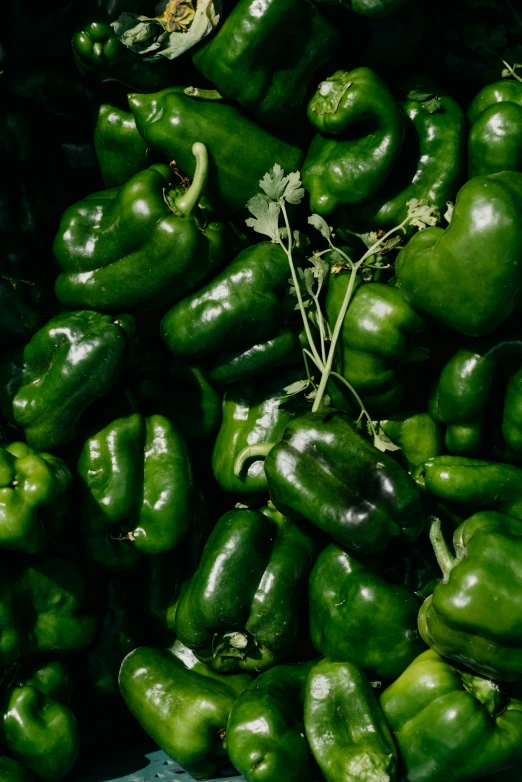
[(377, 334), (183, 706), (120, 149), (12, 771), (495, 138), (438, 714), (430, 167), (38, 727), (345, 726), (472, 616), (418, 436), (463, 395), (240, 609), (341, 167), (139, 245), (240, 152), (69, 363), (139, 487), (265, 733), (323, 470), (252, 414), (33, 497), (356, 616), (265, 56), (44, 609), (469, 276)]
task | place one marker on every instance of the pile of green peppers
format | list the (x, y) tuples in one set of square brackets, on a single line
[(261, 389)]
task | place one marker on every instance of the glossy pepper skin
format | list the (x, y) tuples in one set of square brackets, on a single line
[(240, 611), (463, 395), (43, 609), (265, 57), (33, 497), (469, 276), (69, 363), (12, 771), (120, 149), (470, 618), (266, 739), (431, 165), (253, 413), (495, 138), (139, 490), (240, 152), (378, 332), (345, 726), (323, 470), (184, 707), (340, 169), (357, 616), (418, 435), (137, 246), (38, 727), (437, 714)]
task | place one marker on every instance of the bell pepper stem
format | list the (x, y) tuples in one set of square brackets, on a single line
[(444, 556), (259, 449), (186, 204)]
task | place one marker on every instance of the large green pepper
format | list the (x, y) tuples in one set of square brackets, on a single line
[(240, 610), (469, 276), (38, 727), (120, 149), (474, 615), (495, 139), (430, 166), (43, 609), (449, 725), (266, 56), (323, 470), (242, 309), (463, 396), (345, 726), (12, 771), (139, 490), (342, 168), (183, 706), (33, 497), (69, 363), (240, 152), (357, 616), (377, 334), (138, 245), (418, 436), (265, 739), (252, 414)]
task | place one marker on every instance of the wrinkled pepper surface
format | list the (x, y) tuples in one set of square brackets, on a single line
[(495, 139), (120, 149)]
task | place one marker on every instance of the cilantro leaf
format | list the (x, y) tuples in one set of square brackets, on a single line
[(274, 183), (430, 102), (266, 216), (296, 387), (382, 442), (293, 192), (320, 224), (421, 214)]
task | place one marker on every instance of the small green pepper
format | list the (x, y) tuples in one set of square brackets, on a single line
[(495, 138), (418, 436)]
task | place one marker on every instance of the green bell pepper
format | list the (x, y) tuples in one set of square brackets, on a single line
[(265, 57), (418, 435), (495, 138), (469, 275), (69, 363), (357, 616), (139, 490), (474, 615), (252, 414), (43, 608), (121, 151), (38, 727), (33, 497), (12, 771), (265, 738), (240, 152), (341, 168), (377, 335), (345, 726), (323, 470), (115, 248), (431, 164), (182, 705), (449, 725), (240, 611)]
